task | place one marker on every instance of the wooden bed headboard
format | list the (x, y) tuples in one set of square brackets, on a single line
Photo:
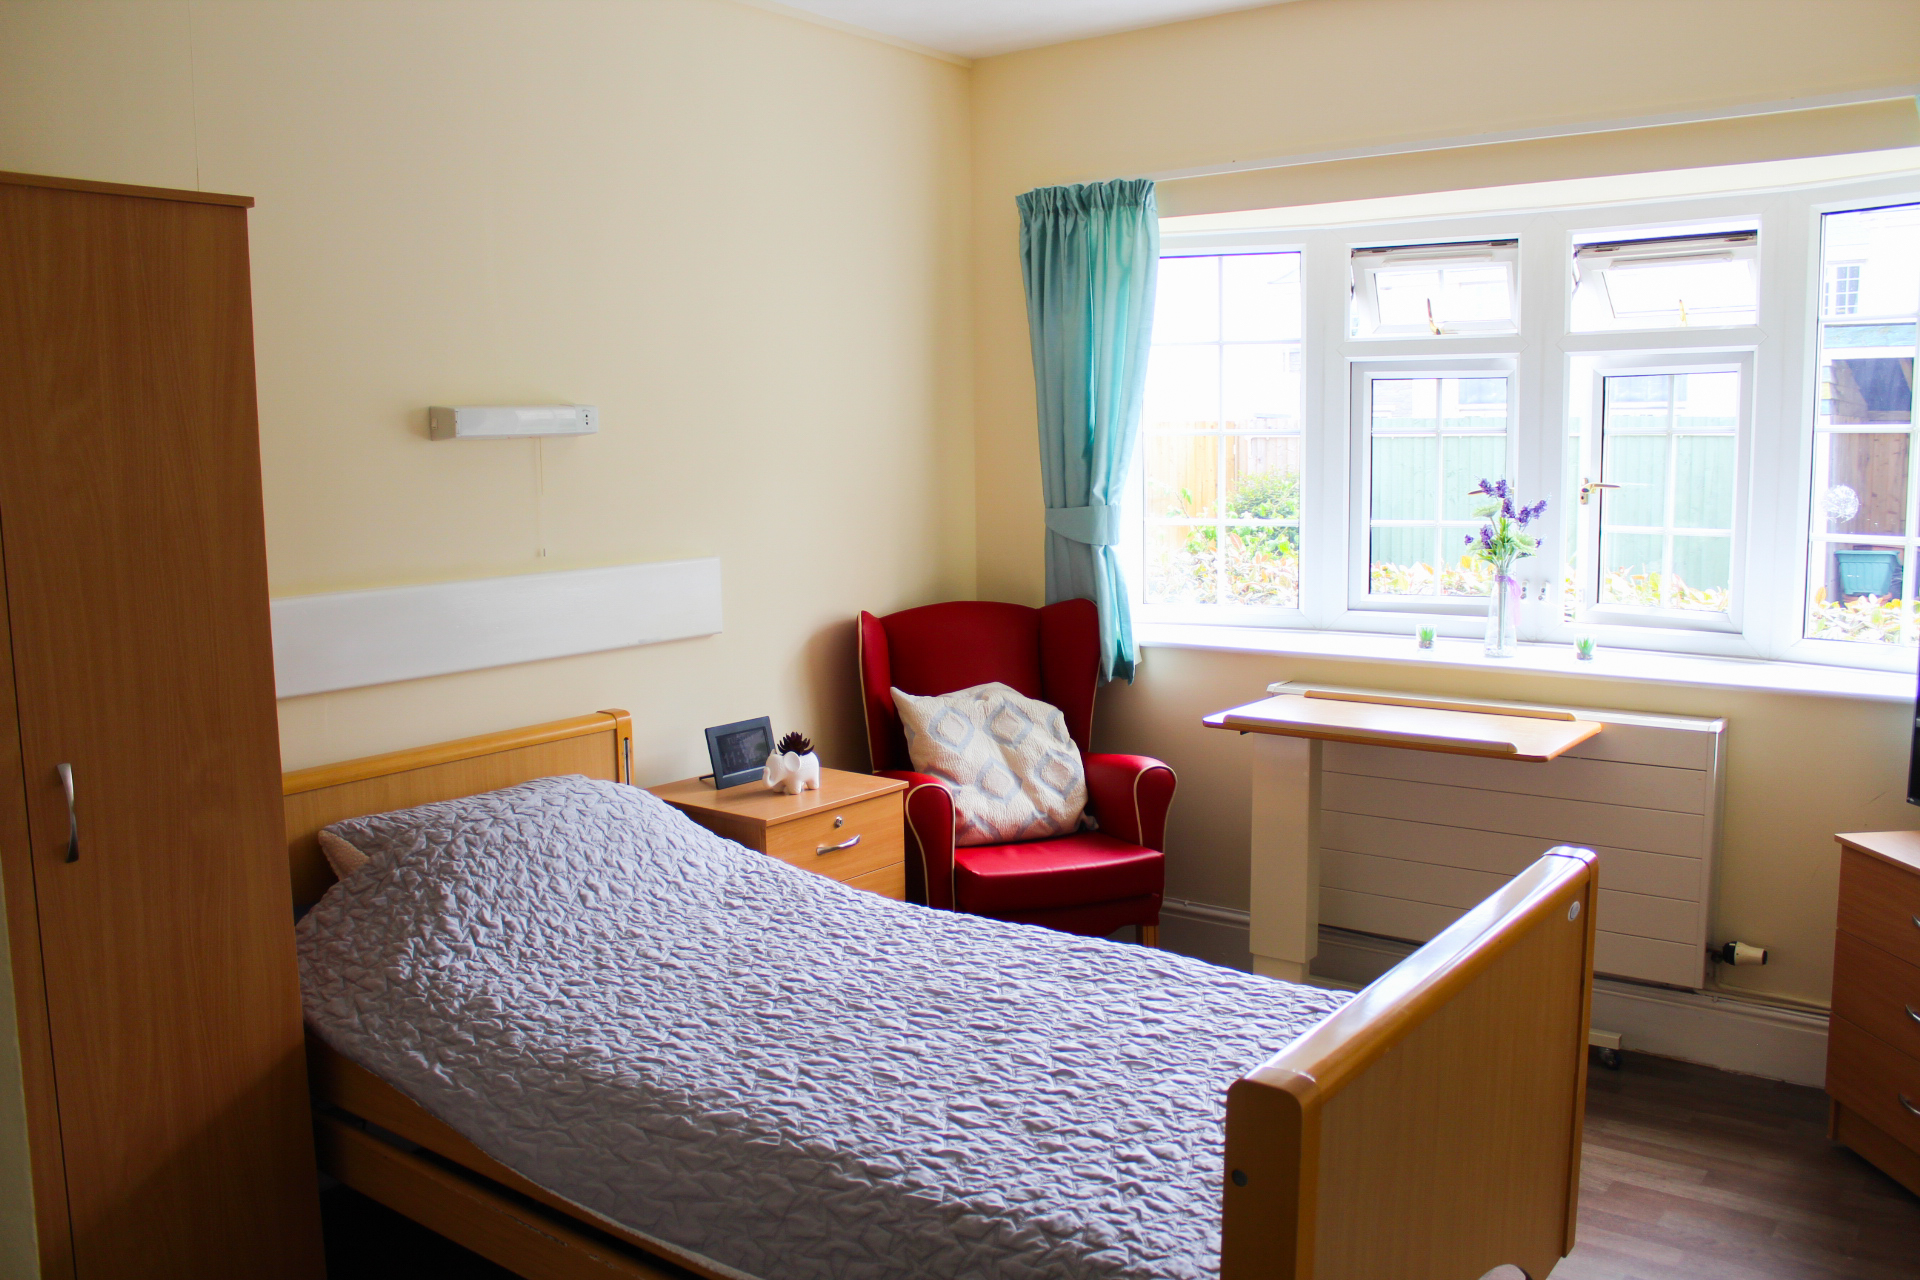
[(599, 746)]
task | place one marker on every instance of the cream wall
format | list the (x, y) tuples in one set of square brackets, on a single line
[(744, 237), (1323, 75)]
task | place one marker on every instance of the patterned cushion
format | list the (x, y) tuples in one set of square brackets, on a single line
[(1013, 769)]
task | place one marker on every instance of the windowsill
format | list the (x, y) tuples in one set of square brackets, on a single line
[(1637, 665)]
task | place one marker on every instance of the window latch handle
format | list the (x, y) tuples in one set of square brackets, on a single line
[(1588, 486)]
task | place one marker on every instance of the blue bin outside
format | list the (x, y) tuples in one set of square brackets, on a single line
[(1868, 573)]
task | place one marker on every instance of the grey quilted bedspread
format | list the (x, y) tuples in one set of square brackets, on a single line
[(785, 1075)]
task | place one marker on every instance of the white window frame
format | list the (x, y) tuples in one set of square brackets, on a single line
[(1367, 261), (1593, 616), (1775, 468), (1365, 373), (1591, 266), (1133, 548)]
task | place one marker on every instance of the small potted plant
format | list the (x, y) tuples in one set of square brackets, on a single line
[(793, 767), (1502, 540)]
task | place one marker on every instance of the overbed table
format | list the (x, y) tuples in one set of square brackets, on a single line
[(1284, 931)]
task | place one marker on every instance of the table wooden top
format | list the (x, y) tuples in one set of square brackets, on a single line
[(757, 802), (1415, 728), (1901, 848)]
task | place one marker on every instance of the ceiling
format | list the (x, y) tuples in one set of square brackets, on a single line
[(982, 28)]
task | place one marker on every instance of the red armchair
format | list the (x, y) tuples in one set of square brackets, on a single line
[(1090, 882)]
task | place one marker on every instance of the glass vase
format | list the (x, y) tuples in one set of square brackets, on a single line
[(1503, 612)]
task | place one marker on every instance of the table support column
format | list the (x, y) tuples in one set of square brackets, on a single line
[(1284, 932)]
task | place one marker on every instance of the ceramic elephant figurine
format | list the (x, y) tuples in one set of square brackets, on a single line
[(793, 773)]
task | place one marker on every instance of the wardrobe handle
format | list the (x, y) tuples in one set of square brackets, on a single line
[(1911, 1109), (73, 823)]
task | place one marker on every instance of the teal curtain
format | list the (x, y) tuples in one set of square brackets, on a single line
[(1090, 254)]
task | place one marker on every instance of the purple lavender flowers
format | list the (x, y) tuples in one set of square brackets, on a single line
[(1503, 538)]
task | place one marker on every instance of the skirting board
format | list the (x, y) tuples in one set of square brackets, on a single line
[(1694, 1026), (355, 638)]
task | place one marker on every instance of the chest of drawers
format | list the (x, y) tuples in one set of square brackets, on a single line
[(852, 829), (1873, 1045)]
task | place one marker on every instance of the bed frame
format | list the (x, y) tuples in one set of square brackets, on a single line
[(1429, 1130)]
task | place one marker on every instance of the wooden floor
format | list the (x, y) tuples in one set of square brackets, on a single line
[(1693, 1174), (1690, 1174)]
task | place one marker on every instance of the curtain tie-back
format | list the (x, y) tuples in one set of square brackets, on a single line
[(1096, 524)]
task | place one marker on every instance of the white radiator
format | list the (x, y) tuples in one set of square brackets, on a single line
[(1409, 840)]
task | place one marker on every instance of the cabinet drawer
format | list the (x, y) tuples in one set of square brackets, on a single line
[(888, 882), (1880, 903), (1877, 993), (1872, 1077), (873, 825)]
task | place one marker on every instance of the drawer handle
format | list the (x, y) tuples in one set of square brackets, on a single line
[(1911, 1109), (848, 843), (1912, 1014)]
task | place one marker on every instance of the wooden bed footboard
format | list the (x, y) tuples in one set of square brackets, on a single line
[(1429, 1130)]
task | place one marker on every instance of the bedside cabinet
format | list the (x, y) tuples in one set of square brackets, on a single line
[(1873, 1042), (851, 830)]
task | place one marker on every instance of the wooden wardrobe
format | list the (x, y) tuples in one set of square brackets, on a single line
[(150, 934)]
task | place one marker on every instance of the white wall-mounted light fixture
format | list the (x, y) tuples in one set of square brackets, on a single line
[(496, 422)]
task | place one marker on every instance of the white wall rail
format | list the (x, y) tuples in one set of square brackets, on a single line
[(354, 638)]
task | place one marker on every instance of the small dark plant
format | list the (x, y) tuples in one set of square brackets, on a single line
[(797, 743)]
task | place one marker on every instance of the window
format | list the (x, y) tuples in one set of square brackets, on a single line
[(1221, 434), (1673, 281), (1843, 289), (1668, 445), (1430, 441), (1434, 289), (1714, 395), (1863, 536)]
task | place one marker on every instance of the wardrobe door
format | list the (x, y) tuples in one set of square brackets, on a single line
[(130, 528)]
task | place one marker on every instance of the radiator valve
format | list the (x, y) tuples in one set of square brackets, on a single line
[(1740, 953)]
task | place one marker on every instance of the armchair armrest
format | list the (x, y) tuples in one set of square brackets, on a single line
[(1130, 795), (929, 812)]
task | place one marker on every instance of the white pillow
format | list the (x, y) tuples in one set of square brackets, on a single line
[(344, 858), (1012, 766)]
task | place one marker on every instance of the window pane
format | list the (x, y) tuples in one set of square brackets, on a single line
[(1260, 387), (1638, 464), (1632, 565), (1260, 297), (1870, 288), (1860, 482), (1183, 388), (1433, 441), (1221, 446), (1183, 480), (1402, 561), (1670, 444), (1703, 483), (1706, 566), (1667, 283), (1684, 294), (1263, 478), (1432, 290), (1403, 481), (1419, 298), (1180, 563), (1186, 302), (1870, 389), (1405, 404), (1466, 461)]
